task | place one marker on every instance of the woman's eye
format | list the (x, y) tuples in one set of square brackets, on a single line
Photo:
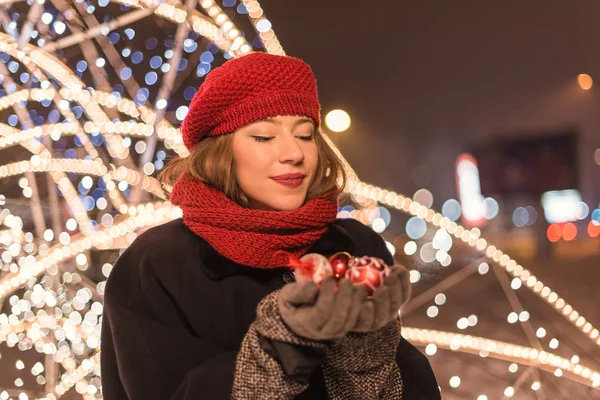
[(307, 138), (262, 138)]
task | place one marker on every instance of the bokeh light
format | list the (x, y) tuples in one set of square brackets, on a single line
[(432, 312), (416, 228), (569, 231), (415, 276), (424, 197), (520, 217), (378, 225), (385, 215), (593, 229), (554, 232), (410, 248), (451, 209), (431, 349), (483, 268), (440, 299), (585, 81), (490, 208), (427, 253), (337, 120), (455, 381), (442, 240)]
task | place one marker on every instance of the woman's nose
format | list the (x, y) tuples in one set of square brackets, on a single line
[(291, 151)]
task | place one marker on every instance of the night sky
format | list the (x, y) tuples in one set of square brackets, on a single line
[(424, 80)]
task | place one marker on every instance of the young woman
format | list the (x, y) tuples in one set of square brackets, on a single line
[(203, 307)]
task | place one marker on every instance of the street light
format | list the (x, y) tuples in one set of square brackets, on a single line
[(337, 120)]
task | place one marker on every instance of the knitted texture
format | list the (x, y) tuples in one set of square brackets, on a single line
[(363, 366), (246, 236), (247, 89), (257, 374), (359, 366)]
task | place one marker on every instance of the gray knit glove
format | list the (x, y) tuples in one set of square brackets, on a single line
[(321, 313), (386, 301)]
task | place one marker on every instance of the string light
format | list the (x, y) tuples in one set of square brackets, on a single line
[(24, 95), (30, 55), (534, 284), (132, 177), (238, 42), (546, 361), (148, 215), (267, 35), (177, 14), (165, 131)]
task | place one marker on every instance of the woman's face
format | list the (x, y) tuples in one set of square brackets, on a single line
[(265, 155)]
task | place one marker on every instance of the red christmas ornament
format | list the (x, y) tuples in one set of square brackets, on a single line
[(310, 266), (368, 272), (340, 264), (321, 268)]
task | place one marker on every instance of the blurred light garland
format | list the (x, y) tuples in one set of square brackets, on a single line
[(505, 351), (141, 216), (218, 28), (473, 239)]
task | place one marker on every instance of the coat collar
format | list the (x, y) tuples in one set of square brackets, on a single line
[(217, 267)]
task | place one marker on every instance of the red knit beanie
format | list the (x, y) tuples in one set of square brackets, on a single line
[(247, 89)]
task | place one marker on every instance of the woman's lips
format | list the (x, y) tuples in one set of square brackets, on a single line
[(291, 183)]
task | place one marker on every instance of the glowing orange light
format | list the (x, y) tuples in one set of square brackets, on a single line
[(585, 81), (554, 233), (569, 231), (593, 229)]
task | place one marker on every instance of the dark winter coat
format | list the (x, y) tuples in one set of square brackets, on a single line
[(176, 312)]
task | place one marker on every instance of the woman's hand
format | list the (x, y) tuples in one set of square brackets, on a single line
[(365, 359), (321, 313), (386, 302)]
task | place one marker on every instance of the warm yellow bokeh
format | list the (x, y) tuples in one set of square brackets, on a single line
[(337, 120)]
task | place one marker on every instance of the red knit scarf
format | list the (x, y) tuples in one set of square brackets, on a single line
[(246, 236)]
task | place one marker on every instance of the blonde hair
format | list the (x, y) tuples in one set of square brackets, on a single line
[(211, 161)]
